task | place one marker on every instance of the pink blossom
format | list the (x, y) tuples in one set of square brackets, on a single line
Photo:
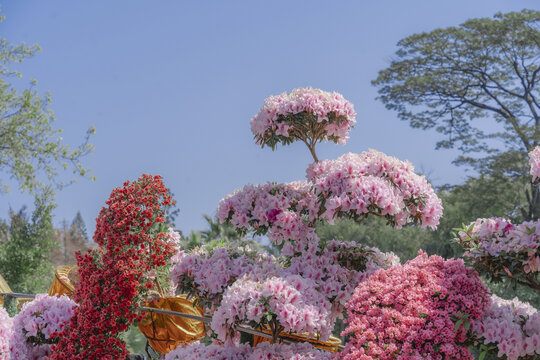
[(34, 327), (534, 162), (285, 212), (513, 326), (292, 301), (207, 273), (330, 113), (356, 185), (5, 334)]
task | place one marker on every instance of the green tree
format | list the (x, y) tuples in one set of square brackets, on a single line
[(31, 150), (477, 84), (25, 250)]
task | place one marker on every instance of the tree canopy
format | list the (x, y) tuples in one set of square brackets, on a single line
[(478, 85), (31, 150)]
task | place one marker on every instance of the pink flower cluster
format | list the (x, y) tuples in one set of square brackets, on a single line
[(35, 326), (291, 301), (5, 334), (534, 162), (407, 311), (283, 211), (498, 242), (207, 273), (173, 239), (356, 185), (339, 268), (276, 118), (512, 325), (263, 351)]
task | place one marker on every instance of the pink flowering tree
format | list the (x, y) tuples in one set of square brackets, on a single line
[(307, 115), (306, 289)]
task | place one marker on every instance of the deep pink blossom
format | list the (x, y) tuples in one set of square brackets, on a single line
[(408, 312)]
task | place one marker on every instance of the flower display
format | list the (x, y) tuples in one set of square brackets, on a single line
[(501, 249), (300, 351), (5, 334), (263, 351), (513, 327), (289, 303), (205, 274), (534, 162), (339, 268), (35, 328), (197, 351), (115, 278), (418, 310), (306, 114), (282, 211), (356, 185)]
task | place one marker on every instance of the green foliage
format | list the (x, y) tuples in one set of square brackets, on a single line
[(31, 150), (477, 84), (26, 248)]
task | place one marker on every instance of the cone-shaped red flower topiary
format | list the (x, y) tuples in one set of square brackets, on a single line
[(113, 278)]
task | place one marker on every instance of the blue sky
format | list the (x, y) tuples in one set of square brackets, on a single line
[(172, 85)]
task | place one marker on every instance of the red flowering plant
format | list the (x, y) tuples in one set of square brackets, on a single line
[(116, 278)]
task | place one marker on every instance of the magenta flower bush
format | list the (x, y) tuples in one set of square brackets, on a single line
[(5, 334), (499, 248), (510, 329), (35, 327), (205, 274), (289, 303), (356, 185), (307, 115), (420, 310)]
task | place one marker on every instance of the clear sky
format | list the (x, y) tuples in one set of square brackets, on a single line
[(172, 85)]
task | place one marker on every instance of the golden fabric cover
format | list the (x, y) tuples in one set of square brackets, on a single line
[(331, 345), (166, 332), (4, 288), (65, 279)]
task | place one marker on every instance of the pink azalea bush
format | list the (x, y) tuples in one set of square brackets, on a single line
[(289, 303), (534, 162), (303, 114), (413, 311), (206, 273), (512, 326), (502, 249), (34, 328), (339, 268), (356, 185), (5, 334), (282, 211), (263, 351)]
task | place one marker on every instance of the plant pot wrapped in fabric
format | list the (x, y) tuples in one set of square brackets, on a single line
[(331, 345), (66, 277), (166, 332)]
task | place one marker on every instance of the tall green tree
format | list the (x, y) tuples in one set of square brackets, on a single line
[(479, 85), (31, 150), (26, 247)]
